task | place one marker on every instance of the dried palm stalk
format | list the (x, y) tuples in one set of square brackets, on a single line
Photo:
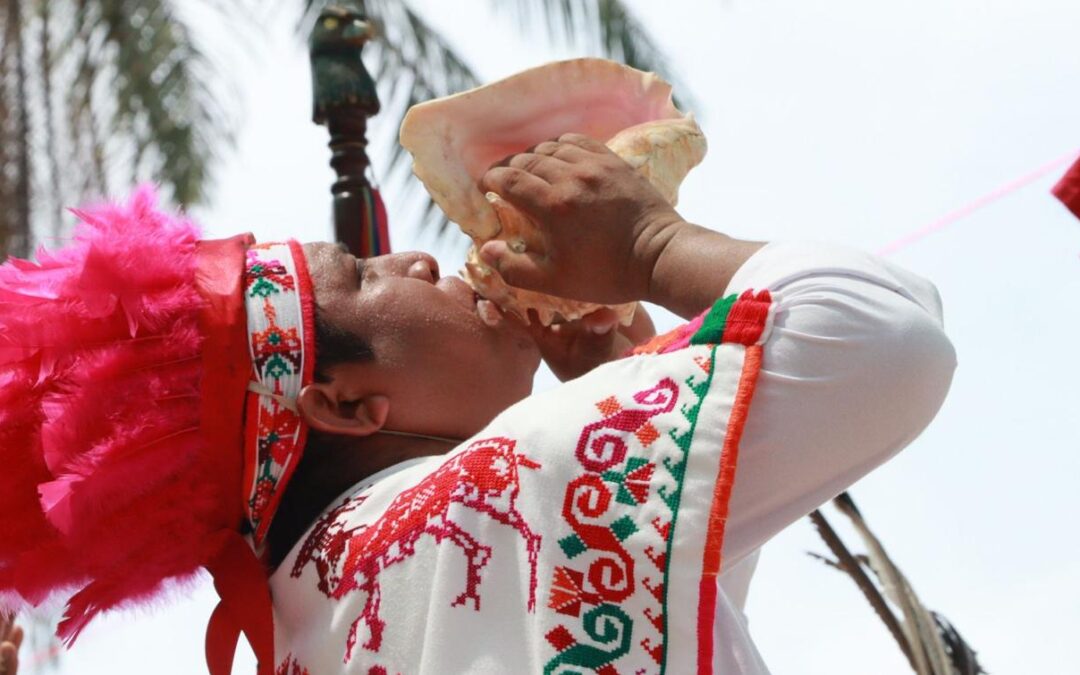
[(930, 643)]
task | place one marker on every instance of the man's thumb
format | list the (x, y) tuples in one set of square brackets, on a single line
[(523, 270)]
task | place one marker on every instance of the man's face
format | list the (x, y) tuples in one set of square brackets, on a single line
[(445, 371)]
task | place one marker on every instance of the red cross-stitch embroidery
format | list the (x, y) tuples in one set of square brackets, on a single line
[(276, 351), (259, 500), (483, 478), (266, 277), (279, 327), (277, 431), (291, 666), (601, 446), (326, 544)]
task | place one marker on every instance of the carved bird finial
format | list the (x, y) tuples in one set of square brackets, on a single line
[(339, 77)]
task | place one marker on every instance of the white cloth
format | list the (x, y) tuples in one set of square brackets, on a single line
[(574, 533), (855, 366)]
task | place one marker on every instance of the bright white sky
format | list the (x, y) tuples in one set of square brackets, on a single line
[(842, 120)]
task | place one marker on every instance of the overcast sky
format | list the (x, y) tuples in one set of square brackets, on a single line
[(842, 120)]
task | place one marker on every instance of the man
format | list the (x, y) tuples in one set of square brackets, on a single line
[(609, 525), (855, 367)]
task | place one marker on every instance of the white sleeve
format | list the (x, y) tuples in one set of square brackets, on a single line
[(856, 366)]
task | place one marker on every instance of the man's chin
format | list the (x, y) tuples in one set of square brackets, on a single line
[(519, 377)]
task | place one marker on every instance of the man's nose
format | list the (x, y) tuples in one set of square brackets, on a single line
[(414, 264), (424, 267)]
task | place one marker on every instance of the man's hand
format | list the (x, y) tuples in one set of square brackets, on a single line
[(11, 637), (604, 225), (574, 348)]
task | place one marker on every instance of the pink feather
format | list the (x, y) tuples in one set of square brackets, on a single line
[(107, 489)]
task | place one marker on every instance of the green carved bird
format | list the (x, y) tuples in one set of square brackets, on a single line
[(338, 74)]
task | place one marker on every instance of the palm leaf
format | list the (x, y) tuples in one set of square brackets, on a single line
[(161, 106), (110, 86), (961, 654), (919, 627), (45, 74), (605, 28), (930, 643), (418, 64), (847, 562), (7, 168), (83, 121), (18, 164)]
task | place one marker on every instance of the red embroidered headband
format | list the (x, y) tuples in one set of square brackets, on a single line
[(281, 335)]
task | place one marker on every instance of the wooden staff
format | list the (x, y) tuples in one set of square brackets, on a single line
[(344, 99)]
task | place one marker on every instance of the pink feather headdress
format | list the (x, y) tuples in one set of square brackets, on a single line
[(124, 371)]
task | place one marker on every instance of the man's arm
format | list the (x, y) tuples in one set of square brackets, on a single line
[(694, 267), (856, 366), (857, 363)]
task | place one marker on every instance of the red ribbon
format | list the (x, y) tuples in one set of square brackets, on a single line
[(245, 607), (239, 577)]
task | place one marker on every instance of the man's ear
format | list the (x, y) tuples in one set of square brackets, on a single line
[(321, 407)]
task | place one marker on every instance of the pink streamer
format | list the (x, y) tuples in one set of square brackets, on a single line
[(987, 199)]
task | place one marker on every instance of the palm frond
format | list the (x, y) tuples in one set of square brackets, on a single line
[(624, 37), (962, 656), (847, 562), (106, 85), (45, 74), (927, 646), (605, 28), (417, 64), (161, 104), (18, 239), (82, 121), (7, 168), (825, 560), (557, 21), (930, 643)]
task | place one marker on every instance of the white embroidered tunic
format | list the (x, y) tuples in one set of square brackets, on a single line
[(586, 528)]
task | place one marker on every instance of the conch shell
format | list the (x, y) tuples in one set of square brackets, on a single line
[(456, 139)]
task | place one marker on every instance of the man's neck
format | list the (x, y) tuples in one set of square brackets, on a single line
[(331, 465)]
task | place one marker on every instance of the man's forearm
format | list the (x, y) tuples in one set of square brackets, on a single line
[(694, 267)]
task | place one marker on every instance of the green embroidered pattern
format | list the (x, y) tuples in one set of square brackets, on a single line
[(623, 508), (712, 328), (634, 482), (678, 471), (619, 590), (741, 319), (606, 624)]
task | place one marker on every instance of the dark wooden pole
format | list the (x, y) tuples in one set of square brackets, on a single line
[(344, 99)]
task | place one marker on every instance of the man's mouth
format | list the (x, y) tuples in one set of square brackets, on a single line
[(488, 311)]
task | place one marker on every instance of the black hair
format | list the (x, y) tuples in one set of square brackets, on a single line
[(335, 345)]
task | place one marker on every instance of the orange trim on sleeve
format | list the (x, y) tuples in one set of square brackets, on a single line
[(714, 538)]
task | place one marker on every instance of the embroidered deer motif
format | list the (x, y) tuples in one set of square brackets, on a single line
[(483, 478)]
